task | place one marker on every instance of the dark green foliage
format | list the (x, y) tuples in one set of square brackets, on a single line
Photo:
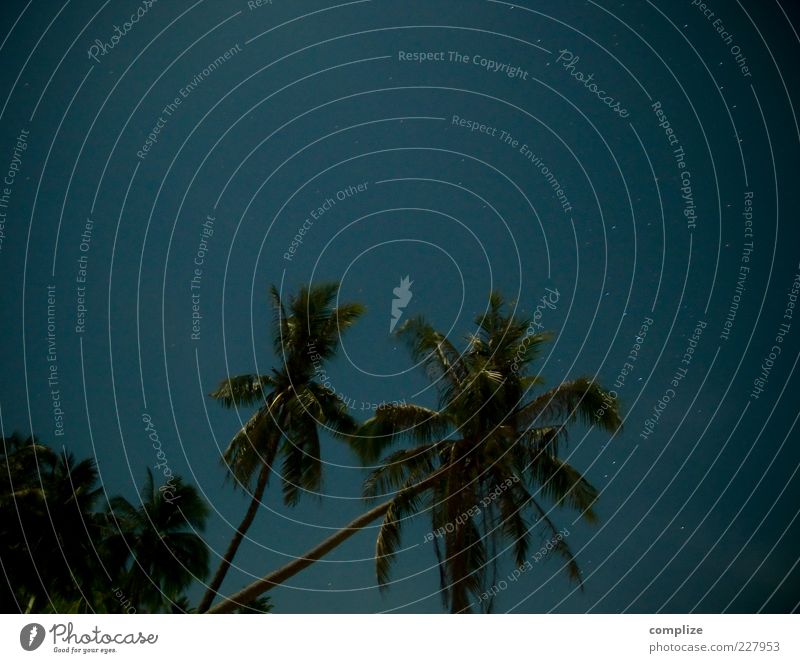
[(292, 405), (61, 551), (291, 402), (156, 546), (488, 459)]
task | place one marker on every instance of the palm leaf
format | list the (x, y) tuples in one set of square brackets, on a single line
[(403, 506), (301, 468), (255, 444), (395, 421), (243, 390), (514, 526), (563, 485), (434, 349), (581, 399), (396, 469), (560, 546), (280, 323)]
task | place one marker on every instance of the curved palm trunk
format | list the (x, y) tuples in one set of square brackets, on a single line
[(236, 541), (255, 589), (275, 578)]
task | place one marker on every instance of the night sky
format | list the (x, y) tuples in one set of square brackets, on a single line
[(634, 162)]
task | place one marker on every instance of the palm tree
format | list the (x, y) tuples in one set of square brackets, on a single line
[(65, 555), (484, 464), (155, 546), (71, 492), (21, 517), (49, 521), (494, 446), (292, 403)]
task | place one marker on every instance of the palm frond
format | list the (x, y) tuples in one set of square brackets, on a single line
[(280, 323), (243, 390), (523, 349), (492, 318), (404, 506), (342, 318), (334, 414), (581, 399), (396, 421), (513, 524), (473, 569), (397, 468), (255, 444), (563, 484), (311, 318), (560, 546), (433, 349), (545, 438), (310, 330), (302, 466)]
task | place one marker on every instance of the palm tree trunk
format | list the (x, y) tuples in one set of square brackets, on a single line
[(275, 578), (236, 541), (255, 589)]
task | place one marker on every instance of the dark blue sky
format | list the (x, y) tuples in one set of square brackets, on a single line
[(280, 107)]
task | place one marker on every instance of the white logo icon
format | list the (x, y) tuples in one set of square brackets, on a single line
[(31, 636), (402, 296)]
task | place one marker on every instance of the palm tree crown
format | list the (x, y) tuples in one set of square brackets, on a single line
[(157, 545), (292, 403), (67, 555), (486, 462)]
